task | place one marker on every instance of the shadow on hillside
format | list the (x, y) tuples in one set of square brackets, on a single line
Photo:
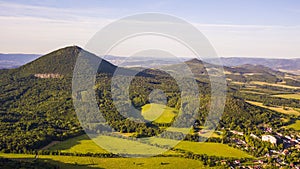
[(45, 163), (69, 143), (74, 165)]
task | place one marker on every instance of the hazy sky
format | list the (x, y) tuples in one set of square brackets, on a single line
[(255, 28)]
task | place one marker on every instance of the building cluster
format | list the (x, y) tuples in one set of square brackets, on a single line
[(290, 142)]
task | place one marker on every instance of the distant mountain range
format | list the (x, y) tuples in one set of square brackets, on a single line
[(285, 65), (8, 61), (62, 61)]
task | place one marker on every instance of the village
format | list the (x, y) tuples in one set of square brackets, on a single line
[(285, 147)]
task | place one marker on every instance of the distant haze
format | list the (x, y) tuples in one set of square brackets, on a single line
[(235, 28)]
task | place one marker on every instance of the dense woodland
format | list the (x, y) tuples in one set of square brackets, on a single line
[(41, 110)]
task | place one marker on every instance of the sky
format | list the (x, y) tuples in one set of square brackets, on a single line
[(253, 28)]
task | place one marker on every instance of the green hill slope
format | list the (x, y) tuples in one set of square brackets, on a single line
[(62, 61)]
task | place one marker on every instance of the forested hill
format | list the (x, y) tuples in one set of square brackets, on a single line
[(285, 65), (62, 61), (278, 64), (243, 73), (35, 111)]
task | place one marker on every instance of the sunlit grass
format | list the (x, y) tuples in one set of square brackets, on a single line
[(295, 126), (289, 96), (287, 110), (273, 84), (74, 162), (158, 113)]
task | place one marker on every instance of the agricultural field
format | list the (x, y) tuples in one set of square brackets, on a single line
[(258, 90), (74, 162), (289, 96), (159, 113), (238, 83), (83, 144), (211, 149), (252, 92), (295, 126), (272, 84), (80, 144), (287, 110), (182, 130)]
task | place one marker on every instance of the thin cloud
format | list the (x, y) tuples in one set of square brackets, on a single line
[(13, 9)]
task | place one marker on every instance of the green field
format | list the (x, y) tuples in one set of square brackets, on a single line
[(287, 110), (288, 96), (159, 113), (73, 162), (261, 90), (212, 149), (133, 147), (295, 126), (80, 144), (273, 84), (252, 92), (182, 130), (83, 144)]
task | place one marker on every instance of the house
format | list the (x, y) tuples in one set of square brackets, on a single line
[(269, 138)]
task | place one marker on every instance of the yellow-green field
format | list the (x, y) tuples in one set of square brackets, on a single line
[(261, 90), (295, 126), (211, 149), (238, 83), (273, 84), (83, 144), (159, 113), (182, 130), (289, 96), (288, 110), (216, 149), (252, 92), (80, 144), (191, 131), (73, 162)]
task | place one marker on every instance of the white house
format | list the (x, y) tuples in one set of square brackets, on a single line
[(269, 138)]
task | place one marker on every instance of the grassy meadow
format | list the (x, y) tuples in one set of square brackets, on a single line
[(273, 84), (289, 96), (83, 144), (288, 110), (211, 149), (74, 162), (295, 126), (159, 113), (80, 144)]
